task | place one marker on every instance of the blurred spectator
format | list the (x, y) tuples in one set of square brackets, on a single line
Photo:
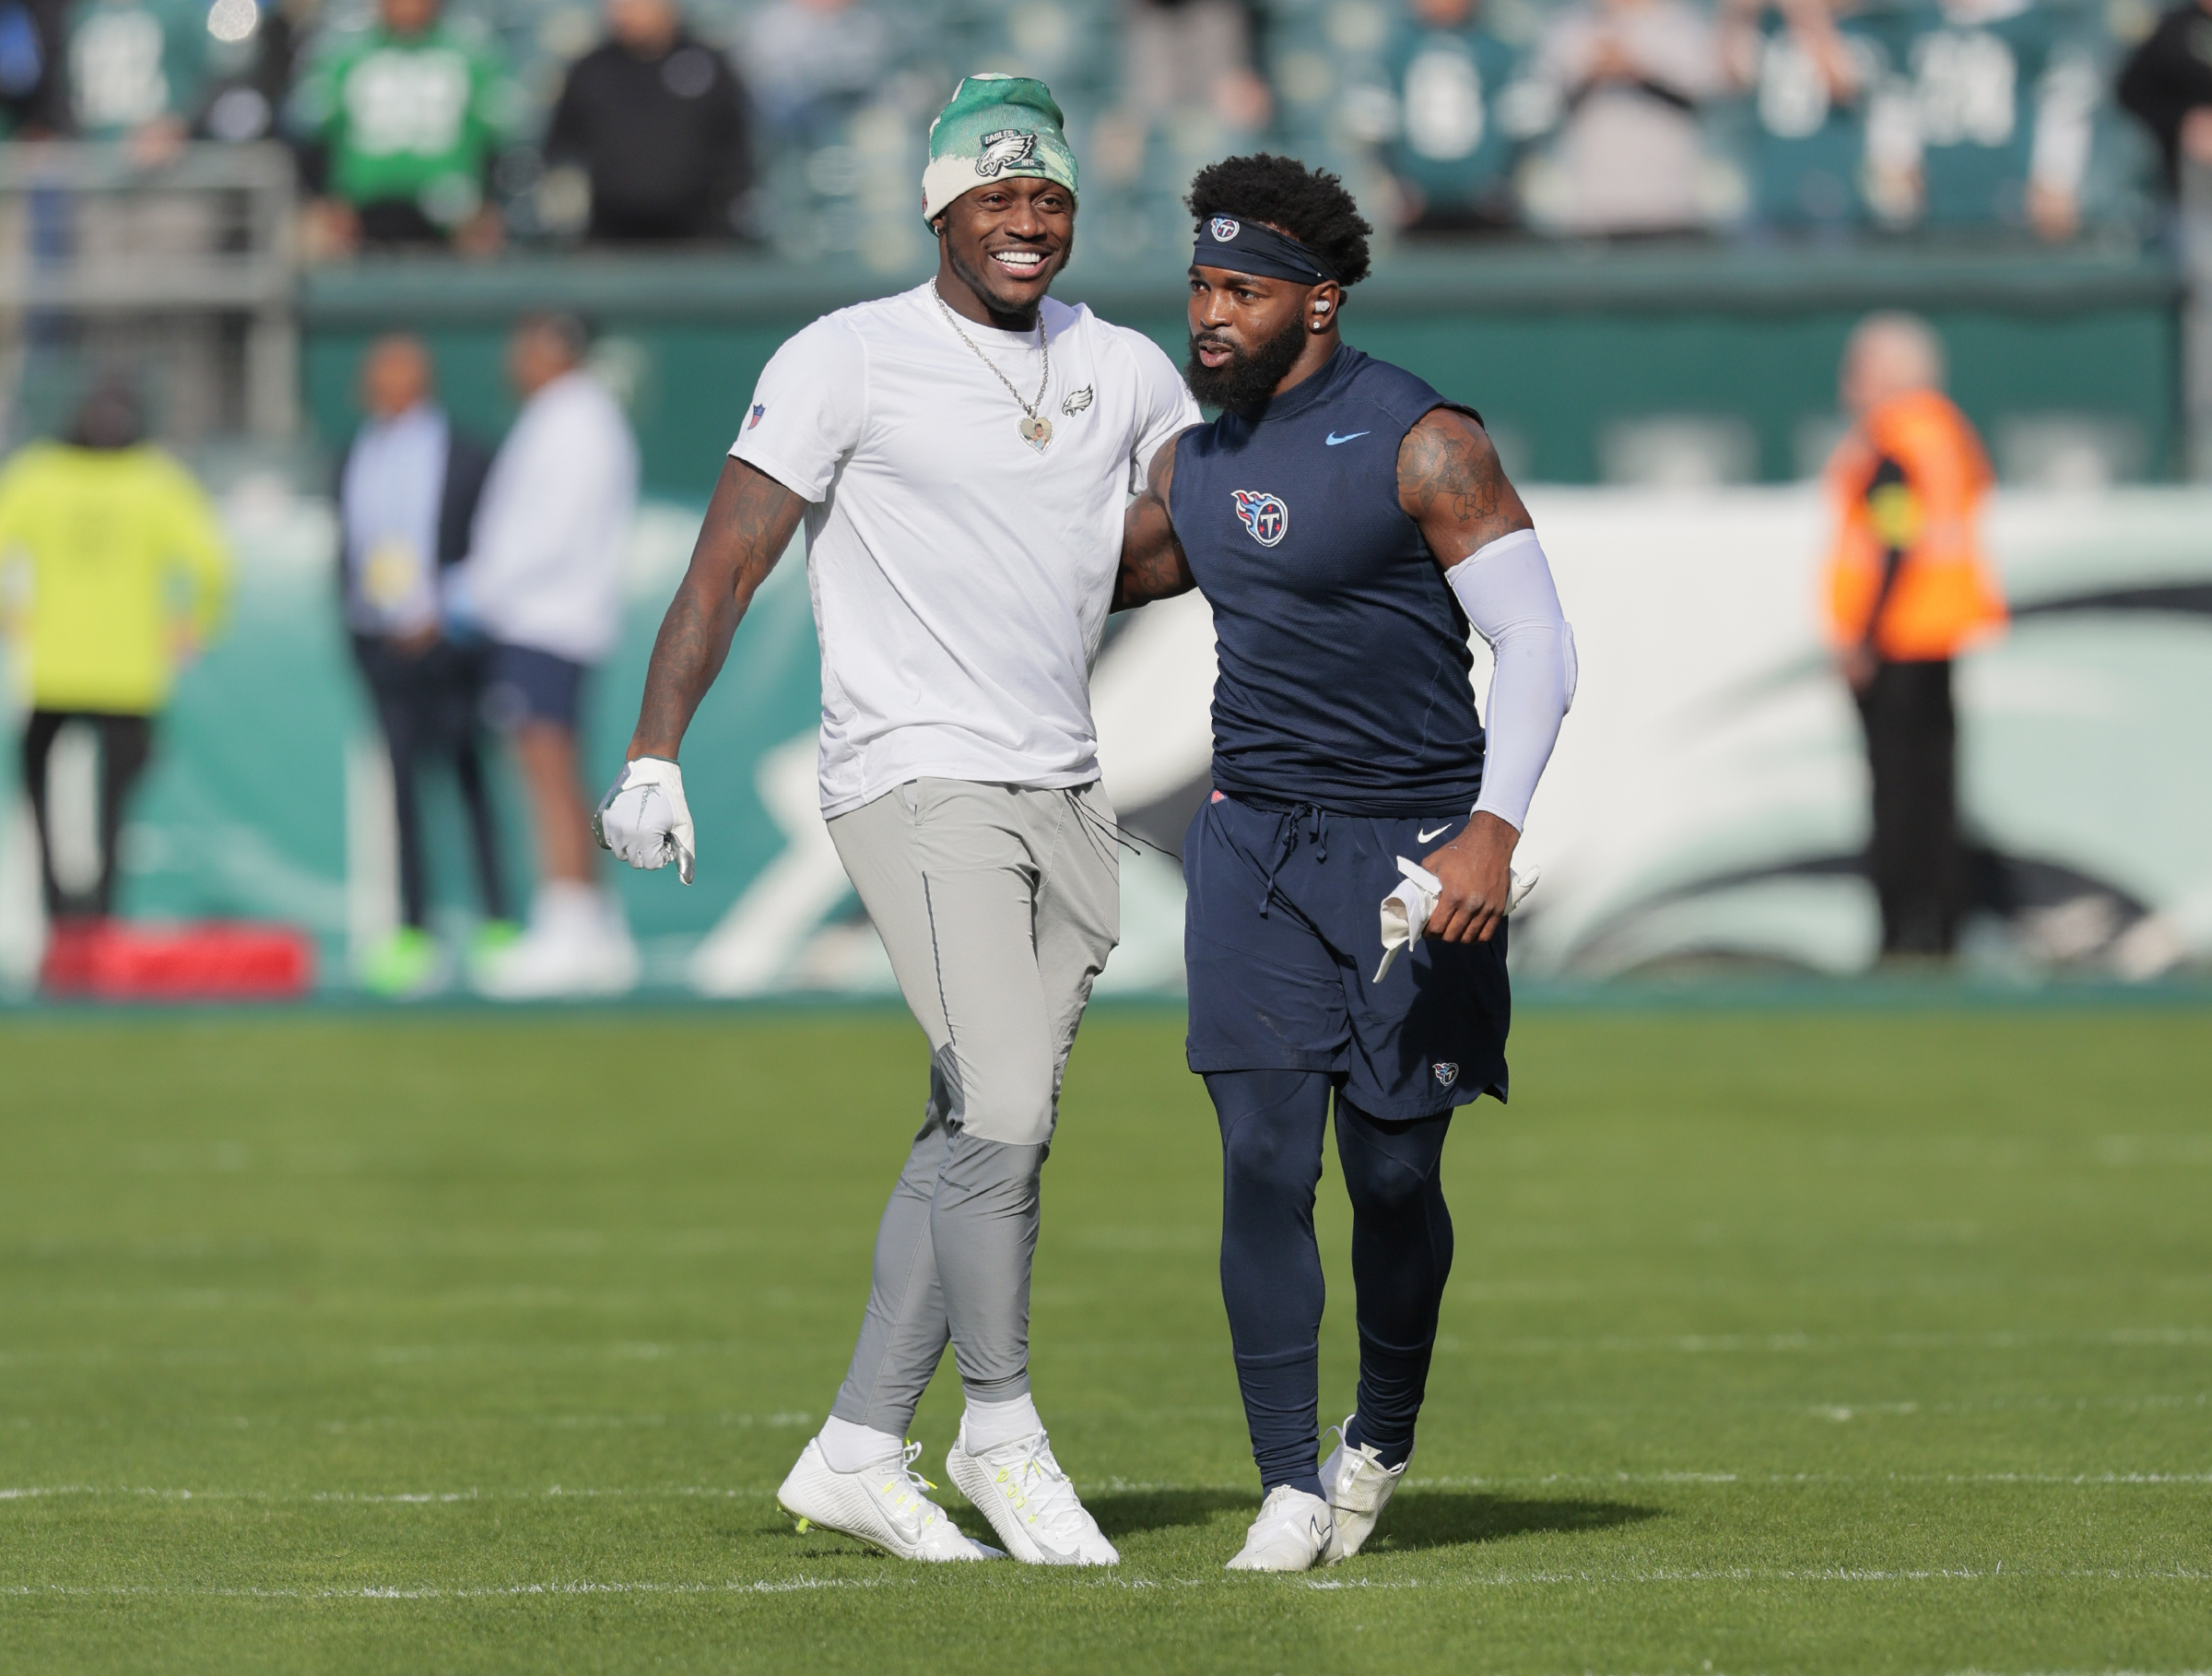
[(402, 120), (2167, 85), (810, 64), (1451, 155), (135, 69), (248, 76), (1989, 117), (407, 494), (1187, 70), (115, 572), (1180, 56), (34, 87), (155, 72), (1809, 73), (542, 581), (1630, 75), (1908, 590), (657, 122)]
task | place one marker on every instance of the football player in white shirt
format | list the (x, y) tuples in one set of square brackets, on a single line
[(960, 456)]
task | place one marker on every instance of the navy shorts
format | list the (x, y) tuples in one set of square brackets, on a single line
[(1282, 935), (522, 684)]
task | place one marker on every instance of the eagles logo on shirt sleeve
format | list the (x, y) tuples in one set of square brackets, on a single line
[(1004, 147)]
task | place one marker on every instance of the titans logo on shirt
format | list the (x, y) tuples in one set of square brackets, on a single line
[(1264, 516)]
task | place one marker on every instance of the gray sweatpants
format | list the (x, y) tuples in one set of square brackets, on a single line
[(998, 905)]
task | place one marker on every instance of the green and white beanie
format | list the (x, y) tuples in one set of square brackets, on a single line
[(994, 125)]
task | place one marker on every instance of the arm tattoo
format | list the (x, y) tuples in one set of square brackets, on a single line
[(749, 522), (1153, 565), (1451, 484)]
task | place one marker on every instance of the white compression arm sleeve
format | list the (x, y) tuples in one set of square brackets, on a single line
[(1506, 590)]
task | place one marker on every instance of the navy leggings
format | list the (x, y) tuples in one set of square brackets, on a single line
[(1271, 1283)]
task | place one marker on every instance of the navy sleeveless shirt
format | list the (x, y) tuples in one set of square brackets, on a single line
[(1343, 656)]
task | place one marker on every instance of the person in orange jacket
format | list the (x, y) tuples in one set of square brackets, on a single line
[(1908, 590)]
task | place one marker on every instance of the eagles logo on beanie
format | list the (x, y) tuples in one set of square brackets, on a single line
[(994, 125)]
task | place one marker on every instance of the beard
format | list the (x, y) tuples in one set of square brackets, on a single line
[(1243, 383)]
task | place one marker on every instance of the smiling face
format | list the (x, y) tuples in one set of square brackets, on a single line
[(1003, 244), (1251, 337)]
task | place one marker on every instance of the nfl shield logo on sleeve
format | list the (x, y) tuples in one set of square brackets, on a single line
[(759, 409), (1264, 514)]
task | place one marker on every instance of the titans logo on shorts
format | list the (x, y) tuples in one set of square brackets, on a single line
[(1283, 933)]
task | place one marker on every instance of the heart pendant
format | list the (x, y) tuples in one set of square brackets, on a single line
[(1037, 432)]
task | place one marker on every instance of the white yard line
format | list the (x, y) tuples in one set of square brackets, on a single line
[(1595, 1480), (1531, 1579), (186, 1592), (2126, 1337)]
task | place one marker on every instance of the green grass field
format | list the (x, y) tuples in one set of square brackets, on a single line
[(1777, 1342)]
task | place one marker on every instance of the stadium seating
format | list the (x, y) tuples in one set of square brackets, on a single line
[(1783, 160)]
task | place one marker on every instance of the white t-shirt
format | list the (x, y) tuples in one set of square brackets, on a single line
[(960, 579), (545, 561)]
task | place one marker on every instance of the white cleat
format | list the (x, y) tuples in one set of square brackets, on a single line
[(1020, 1489), (881, 1505), (1358, 1486), (1292, 1533)]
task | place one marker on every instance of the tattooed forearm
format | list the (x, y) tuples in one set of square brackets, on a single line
[(1153, 566), (749, 522), (1451, 484)]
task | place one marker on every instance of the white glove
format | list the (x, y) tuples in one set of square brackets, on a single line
[(644, 820), (1406, 910)]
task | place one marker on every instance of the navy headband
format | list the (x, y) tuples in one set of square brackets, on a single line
[(1246, 247)]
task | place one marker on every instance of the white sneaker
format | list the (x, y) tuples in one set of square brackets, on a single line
[(1020, 1489), (1358, 1486), (1291, 1533), (882, 1504), (576, 944)]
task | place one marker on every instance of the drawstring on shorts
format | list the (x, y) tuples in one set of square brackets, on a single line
[(1287, 839), (1114, 831)]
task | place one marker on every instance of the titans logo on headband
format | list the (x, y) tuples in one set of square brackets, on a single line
[(1264, 516), (1225, 228)]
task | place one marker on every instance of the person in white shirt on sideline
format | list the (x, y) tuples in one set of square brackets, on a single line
[(543, 584), (960, 456)]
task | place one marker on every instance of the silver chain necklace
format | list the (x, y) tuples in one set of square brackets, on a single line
[(1036, 430)]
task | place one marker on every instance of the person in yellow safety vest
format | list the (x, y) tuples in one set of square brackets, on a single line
[(1908, 590), (112, 576)]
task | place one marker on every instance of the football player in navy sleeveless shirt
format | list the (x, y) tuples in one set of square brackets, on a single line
[(1347, 524)]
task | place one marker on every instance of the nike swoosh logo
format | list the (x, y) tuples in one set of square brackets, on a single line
[(1424, 837), (1348, 436)]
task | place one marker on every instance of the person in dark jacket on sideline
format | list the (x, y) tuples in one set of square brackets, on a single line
[(2167, 85), (407, 496), (657, 120)]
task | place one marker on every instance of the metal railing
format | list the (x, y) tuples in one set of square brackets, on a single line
[(93, 243)]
